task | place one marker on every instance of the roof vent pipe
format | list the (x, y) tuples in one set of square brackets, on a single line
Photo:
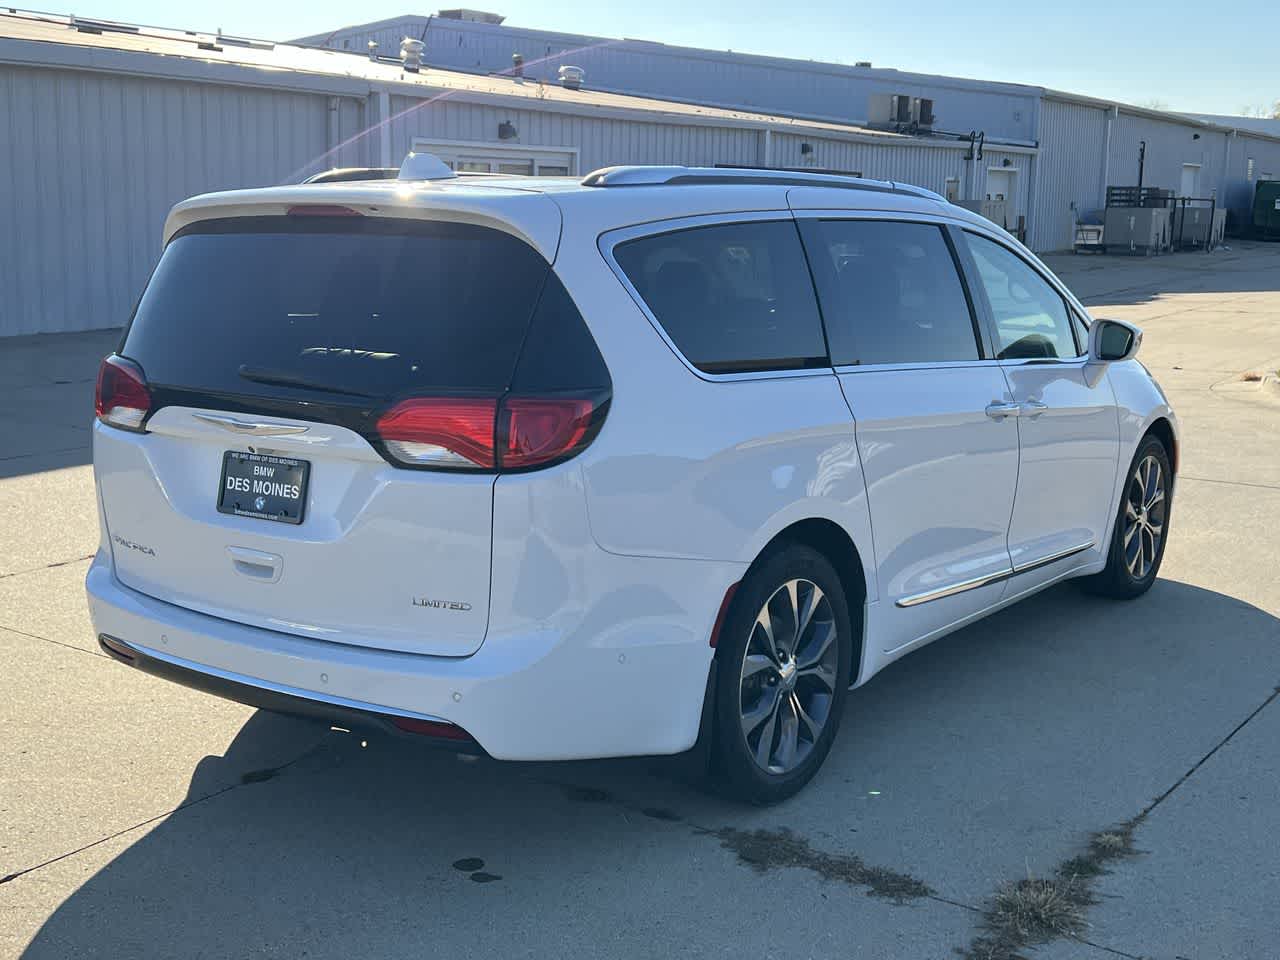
[(411, 54), (571, 77)]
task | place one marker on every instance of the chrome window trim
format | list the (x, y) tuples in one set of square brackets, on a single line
[(607, 242), (972, 584), (914, 365)]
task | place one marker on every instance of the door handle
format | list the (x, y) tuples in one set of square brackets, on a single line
[(256, 564), (999, 409), (1033, 408)]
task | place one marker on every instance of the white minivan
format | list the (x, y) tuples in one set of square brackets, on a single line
[(557, 469)]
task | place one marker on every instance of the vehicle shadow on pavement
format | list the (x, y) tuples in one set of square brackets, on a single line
[(986, 756)]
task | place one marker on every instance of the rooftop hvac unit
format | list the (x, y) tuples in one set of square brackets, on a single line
[(571, 77), (471, 16), (899, 111), (922, 113)]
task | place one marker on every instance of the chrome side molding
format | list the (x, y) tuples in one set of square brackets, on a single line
[(994, 577)]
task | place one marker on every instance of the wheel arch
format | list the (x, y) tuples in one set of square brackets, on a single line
[(1162, 429), (832, 541)]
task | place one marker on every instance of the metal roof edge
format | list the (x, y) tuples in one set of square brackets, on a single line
[(144, 63), (885, 74), (1167, 116), (317, 39)]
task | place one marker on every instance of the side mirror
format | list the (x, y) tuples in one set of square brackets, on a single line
[(1112, 341)]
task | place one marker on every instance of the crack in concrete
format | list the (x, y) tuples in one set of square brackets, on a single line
[(59, 643), (1035, 911), (48, 453), (47, 566), (240, 783), (1233, 483)]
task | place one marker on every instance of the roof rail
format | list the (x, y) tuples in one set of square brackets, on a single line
[(348, 174), (642, 176)]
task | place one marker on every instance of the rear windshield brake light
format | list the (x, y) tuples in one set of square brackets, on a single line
[(322, 210)]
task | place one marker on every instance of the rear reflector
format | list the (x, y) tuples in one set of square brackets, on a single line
[(724, 612), (121, 397), (431, 728), (469, 433), (117, 649)]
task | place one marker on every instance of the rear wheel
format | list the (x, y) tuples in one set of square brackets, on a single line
[(1141, 528), (783, 670)]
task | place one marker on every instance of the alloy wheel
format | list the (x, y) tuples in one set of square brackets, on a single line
[(788, 676), (1144, 517)]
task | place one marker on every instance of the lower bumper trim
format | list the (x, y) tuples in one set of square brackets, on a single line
[(298, 703)]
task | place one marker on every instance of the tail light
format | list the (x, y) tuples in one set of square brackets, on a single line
[(441, 432), (121, 398), (511, 433)]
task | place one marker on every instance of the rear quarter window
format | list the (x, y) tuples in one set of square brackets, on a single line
[(732, 297)]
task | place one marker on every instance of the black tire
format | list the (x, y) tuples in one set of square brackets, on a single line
[(1119, 579), (792, 685)]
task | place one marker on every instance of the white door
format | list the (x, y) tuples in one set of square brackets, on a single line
[(1067, 426), (1190, 186), (940, 472)]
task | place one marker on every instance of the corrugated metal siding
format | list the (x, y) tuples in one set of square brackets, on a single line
[(924, 166), (1169, 145), (1239, 188), (1072, 139), (602, 142), (94, 162), (793, 88)]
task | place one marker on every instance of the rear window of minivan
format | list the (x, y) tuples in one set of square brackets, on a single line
[(362, 307)]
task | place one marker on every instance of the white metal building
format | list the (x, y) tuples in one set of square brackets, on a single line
[(1084, 144), (106, 125)]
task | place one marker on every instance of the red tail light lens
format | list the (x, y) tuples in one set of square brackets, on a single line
[(514, 433), (441, 431), (537, 431), (121, 398)]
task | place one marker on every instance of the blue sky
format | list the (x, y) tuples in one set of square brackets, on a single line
[(1141, 52)]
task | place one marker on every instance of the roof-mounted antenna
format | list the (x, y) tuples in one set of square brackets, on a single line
[(424, 166)]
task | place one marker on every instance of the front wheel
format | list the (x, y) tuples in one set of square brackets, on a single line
[(783, 670), (1141, 527)]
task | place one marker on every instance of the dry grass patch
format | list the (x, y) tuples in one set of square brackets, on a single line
[(765, 850), (1037, 910)]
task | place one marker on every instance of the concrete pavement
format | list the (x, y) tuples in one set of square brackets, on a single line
[(138, 819)]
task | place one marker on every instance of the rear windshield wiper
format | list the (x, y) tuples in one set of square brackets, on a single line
[(282, 378)]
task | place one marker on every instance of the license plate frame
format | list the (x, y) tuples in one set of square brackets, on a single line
[(237, 465)]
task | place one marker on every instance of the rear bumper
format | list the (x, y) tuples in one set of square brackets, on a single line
[(541, 695), (253, 692)]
